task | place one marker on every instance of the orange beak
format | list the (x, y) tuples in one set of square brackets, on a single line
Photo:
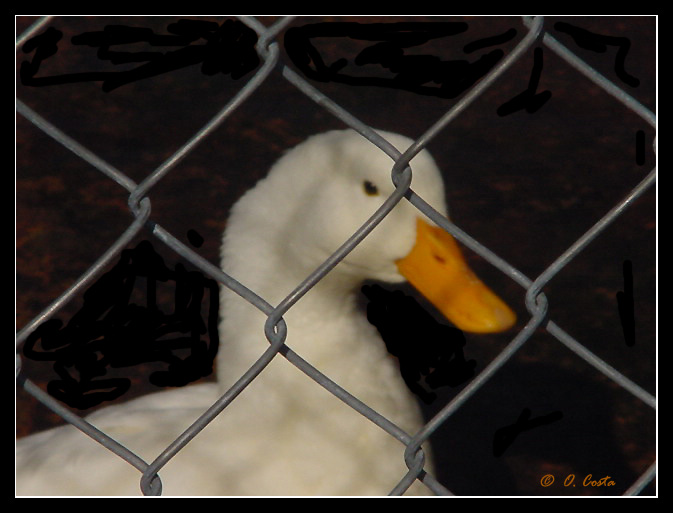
[(437, 269)]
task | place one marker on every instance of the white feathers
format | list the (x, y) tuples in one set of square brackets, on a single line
[(284, 435)]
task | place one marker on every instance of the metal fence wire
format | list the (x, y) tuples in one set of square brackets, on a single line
[(557, 218)]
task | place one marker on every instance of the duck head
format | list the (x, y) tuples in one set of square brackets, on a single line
[(320, 192)]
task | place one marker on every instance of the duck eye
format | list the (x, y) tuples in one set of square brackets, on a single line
[(370, 188)]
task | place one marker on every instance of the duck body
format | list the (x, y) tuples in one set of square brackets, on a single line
[(284, 434)]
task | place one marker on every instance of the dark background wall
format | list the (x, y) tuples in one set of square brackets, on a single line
[(526, 185)]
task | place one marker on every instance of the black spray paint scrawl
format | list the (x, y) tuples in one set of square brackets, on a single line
[(112, 331)]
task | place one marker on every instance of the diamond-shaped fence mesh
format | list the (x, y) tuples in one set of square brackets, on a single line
[(543, 127)]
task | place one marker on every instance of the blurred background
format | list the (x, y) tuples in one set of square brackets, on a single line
[(526, 185)]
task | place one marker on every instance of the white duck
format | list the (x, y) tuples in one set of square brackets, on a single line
[(285, 435)]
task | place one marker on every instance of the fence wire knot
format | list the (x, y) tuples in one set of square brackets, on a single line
[(275, 329)]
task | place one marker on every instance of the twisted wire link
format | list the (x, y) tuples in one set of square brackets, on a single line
[(401, 174), (536, 302), (140, 207)]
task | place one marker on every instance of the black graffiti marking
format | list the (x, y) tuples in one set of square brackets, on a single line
[(418, 73), (625, 304), (430, 353), (529, 100), (229, 49), (599, 43), (505, 436), (111, 331)]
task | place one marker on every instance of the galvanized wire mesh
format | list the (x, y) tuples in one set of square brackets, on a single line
[(140, 194)]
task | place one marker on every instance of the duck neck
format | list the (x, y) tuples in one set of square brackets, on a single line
[(322, 321)]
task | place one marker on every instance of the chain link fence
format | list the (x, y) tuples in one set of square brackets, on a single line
[(569, 316)]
